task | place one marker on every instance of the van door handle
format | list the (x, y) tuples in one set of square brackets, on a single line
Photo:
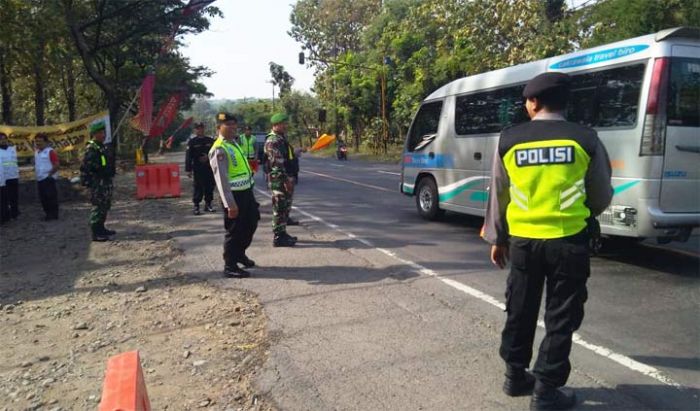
[(431, 155), (477, 156), (690, 149)]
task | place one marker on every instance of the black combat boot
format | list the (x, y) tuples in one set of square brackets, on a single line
[(547, 397), (106, 231), (209, 209), (195, 210), (291, 221), (235, 272), (247, 262), (284, 240), (98, 235), (518, 382)]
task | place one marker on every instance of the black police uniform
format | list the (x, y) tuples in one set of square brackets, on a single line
[(197, 162), (562, 263)]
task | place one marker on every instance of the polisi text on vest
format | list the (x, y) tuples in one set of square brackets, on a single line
[(544, 155)]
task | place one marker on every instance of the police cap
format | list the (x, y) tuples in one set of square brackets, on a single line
[(547, 83), (223, 117), (278, 118)]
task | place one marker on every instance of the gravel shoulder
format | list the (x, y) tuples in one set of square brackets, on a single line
[(68, 304)]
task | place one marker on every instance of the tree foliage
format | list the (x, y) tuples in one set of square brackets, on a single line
[(430, 43), (65, 59)]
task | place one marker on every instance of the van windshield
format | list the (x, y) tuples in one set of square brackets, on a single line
[(425, 125), (684, 93)]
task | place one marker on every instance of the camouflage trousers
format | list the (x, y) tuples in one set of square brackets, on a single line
[(281, 205), (101, 200)]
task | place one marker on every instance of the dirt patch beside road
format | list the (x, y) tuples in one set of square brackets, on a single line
[(68, 304)]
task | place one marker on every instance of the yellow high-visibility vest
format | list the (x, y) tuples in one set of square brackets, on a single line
[(547, 188)]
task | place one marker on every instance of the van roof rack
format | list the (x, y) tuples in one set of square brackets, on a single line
[(687, 32)]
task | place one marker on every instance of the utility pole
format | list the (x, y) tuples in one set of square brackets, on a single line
[(273, 93)]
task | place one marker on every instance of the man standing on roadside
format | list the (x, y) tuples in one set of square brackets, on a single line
[(9, 208), (246, 142), (233, 178), (46, 168), (96, 173), (279, 164), (549, 177), (197, 163)]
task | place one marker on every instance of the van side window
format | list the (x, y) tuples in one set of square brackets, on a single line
[(425, 124), (607, 98), (684, 93), (490, 112)]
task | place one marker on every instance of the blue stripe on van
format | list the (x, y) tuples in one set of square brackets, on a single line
[(425, 161), (599, 56), (624, 187)]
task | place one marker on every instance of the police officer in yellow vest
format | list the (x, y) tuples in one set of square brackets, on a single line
[(233, 178), (549, 177), (247, 143)]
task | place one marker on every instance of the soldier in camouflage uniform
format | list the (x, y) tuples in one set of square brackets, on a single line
[(97, 174), (279, 168)]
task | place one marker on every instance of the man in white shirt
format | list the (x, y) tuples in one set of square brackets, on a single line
[(46, 167), (8, 161)]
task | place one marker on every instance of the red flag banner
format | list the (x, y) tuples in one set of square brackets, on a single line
[(143, 119), (195, 5), (185, 124), (166, 115)]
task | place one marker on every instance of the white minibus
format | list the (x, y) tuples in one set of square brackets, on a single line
[(642, 95)]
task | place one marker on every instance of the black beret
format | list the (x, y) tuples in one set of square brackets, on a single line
[(547, 83), (224, 117)]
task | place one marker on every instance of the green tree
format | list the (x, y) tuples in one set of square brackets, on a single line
[(118, 41), (615, 20), (281, 78)]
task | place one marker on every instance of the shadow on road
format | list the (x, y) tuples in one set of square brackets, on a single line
[(661, 397), (654, 258)]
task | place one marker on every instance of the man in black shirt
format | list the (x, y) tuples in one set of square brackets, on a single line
[(197, 163)]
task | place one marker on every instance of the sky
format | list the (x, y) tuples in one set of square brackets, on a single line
[(240, 46)]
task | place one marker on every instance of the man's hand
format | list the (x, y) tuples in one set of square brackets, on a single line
[(189, 174), (499, 255), (232, 212)]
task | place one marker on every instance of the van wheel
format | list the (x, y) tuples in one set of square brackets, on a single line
[(427, 200)]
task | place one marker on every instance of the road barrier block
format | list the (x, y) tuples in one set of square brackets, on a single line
[(157, 181), (124, 387)]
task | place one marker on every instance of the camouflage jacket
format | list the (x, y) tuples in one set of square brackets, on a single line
[(278, 160), (94, 172)]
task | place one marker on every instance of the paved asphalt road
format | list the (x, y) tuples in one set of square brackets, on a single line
[(364, 252), (643, 300)]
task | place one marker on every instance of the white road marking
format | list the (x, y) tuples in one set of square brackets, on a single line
[(623, 360), (337, 165), (350, 181), (388, 172)]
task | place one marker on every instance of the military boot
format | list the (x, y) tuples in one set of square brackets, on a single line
[(518, 382), (106, 231), (98, 235), (195, 210), (209, 209), (284, 240), (291, 221), (547, 397)]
